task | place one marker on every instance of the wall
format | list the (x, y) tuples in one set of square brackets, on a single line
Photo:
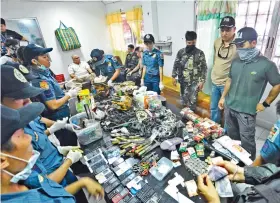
[(87, 18), (163, 18), (174, 19)]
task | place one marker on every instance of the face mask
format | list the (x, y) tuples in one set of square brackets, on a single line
[(190, 48), (43, 67), (247, 54), (25, 173)]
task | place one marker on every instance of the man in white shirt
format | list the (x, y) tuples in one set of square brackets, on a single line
[(80, 70)]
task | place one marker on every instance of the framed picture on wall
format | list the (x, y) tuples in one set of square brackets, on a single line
[(29, 28)]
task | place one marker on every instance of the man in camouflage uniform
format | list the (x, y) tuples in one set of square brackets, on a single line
[(131, 59), (190, 68)]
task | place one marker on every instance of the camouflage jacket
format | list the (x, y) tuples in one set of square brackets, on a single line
[(131, 60), (190, 67)]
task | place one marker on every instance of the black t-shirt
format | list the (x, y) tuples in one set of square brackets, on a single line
[(10, 34)]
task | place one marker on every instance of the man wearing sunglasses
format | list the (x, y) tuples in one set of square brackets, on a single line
[(244, 88), (224, 52)]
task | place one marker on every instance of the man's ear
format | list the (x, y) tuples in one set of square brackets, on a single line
[(34, 61), (4, 162)]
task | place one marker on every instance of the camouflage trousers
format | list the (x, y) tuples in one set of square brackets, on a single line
[(189, 95)]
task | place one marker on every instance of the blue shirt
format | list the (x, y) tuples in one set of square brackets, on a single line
[(42, 189), (107, 66), (270, 151), (49, 155), (46, 81), (152, 60)]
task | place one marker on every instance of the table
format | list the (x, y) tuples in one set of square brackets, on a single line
[(159, 186)]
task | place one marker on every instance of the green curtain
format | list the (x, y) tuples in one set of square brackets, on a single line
[(209, 15)]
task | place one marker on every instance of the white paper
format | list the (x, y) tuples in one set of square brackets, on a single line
[(179, 197)]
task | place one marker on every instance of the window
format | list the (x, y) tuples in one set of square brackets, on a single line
[(256, 14), (129, 36), (276, 57)]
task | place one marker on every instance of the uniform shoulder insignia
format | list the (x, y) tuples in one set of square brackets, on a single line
[(41, 178), (23, 69), (44, 85), (19, 76), (273, 133)]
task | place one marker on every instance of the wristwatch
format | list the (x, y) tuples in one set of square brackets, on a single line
[(265, 104)]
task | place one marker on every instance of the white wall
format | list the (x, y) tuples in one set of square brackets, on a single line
[(87, 18), (163, 18), (174, 19)]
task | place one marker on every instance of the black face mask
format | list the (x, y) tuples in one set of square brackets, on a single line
[(190, 48)]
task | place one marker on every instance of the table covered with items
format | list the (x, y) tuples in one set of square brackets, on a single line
[(140, 151)]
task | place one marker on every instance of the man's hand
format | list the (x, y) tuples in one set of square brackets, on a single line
[(110, 83), (206, 189), (161, 86), (174, 82), (129, 73), (64, 150), (74, 156), (260, 107), (221, 103), (235, 173), (58, 125), (73, 92), (200, 86), (94, 188)]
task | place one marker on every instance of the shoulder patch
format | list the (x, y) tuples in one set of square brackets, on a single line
[(44, 85), (23, 69), (273, 134), (18, 75)]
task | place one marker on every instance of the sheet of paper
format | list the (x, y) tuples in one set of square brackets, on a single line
[(172, 191)]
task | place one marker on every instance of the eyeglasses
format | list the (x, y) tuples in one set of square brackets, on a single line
[(223, 57), (241, 45)]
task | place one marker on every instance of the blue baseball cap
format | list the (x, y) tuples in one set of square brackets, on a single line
[(14, 84), (33, 50), (13, 120), (245, 34)]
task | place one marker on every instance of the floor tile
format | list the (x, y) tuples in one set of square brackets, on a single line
[(264, 135)]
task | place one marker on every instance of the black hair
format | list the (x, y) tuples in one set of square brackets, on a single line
[(278, 107), (137, 49), (3, 22), (131, 46), (190, 35), (7, 146), (20, 53)]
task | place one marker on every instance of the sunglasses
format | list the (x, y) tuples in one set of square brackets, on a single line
[(219, 54), (241, 45)]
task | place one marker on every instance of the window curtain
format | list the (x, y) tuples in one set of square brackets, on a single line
[(114, 22), (209, 17), (134, 19)]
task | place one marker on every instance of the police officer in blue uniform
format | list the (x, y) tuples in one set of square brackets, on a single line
[(15, 94), (18, 160), (55, 100), (270, 152), (106, 65), (153, 66)]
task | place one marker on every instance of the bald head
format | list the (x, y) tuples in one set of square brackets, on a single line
[(76, 59)]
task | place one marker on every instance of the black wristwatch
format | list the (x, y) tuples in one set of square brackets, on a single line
[(265, 104)]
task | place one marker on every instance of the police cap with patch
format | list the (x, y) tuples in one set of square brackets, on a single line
[(13, 120), (245, 34), (32, 50), (27, 74), (148, 38), (227, 21), (14, 84)]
